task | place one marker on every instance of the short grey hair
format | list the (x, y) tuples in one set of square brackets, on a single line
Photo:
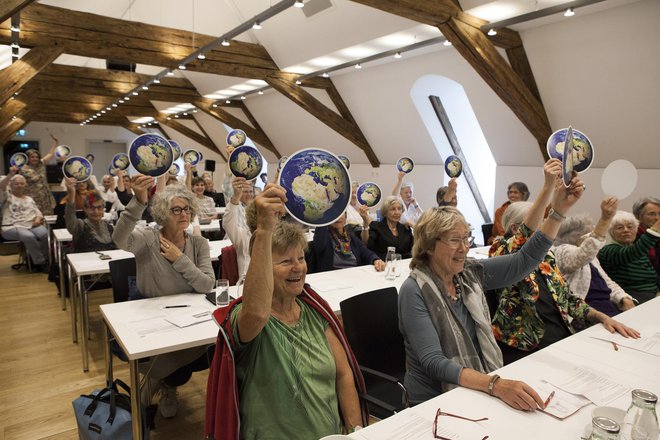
[(515, 214), (162, 201), (17, 177), (623, 217), (639, 205), (407, 185), (387, 205), (430, 226), (573, 228)]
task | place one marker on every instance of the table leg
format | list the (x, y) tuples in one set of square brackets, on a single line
[(136, 405), (108, 355), (84, 322), (60, 264), (73, 299)]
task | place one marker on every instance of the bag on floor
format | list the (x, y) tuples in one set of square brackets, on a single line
[(105, 414)]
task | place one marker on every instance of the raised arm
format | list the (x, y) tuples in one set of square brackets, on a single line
[(51, 152), (189, 175), (133, 212), (397, 185), (4, 183), (258, 287), (551, 174), (71, 221)]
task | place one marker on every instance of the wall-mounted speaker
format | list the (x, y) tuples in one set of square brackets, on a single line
[(209, 165)]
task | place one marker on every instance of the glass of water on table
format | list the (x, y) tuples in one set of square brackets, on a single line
[(221, 293)]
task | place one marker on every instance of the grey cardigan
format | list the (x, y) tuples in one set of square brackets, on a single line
[(156, 276)]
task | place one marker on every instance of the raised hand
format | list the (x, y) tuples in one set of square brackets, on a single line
[(566, 197), (141, 185), (608, 207), (270, 206), (71, 183)]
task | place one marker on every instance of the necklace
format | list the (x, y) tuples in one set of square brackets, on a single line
[(458, 288)]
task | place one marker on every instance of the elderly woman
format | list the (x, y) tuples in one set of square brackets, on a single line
[(443, 314), (169, 261), (83, 190), (446, 195), (205, 203), (647, 212), (234, 223), (626, 261), (576, 248), (336, 248), (295, 377), (389, 231), (516, 192), (93, 233), (37, 183), (538, 310), (411, 209), (22, 220)]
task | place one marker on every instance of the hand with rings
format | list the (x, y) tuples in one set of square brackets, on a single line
[(169, 250)]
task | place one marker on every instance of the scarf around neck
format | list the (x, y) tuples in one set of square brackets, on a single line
[(454, 340)]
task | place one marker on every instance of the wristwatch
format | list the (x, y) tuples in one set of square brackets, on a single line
[(557, 216)]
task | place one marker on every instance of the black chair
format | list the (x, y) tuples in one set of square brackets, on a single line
[(487, 231), (371, 323), (122, 274)]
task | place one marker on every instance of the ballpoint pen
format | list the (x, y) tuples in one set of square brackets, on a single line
[(547, 401), (177, 306)]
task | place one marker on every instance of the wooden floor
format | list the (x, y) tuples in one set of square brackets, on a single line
[(41, 368)]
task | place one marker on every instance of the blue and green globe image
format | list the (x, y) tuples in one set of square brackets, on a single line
[(176, 149), (246, 161), (583, 152), (120, 161), (151, 154), (77, 167), (318, 186), (368, 194)]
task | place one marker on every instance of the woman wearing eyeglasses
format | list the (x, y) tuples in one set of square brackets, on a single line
[(93, 233), (443, 314), (169, 261)]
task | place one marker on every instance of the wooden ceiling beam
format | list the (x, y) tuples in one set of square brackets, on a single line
[(429, 12), (17, 104), (285, 84), (256, 134), (97, 36), (132, 128), (192, 134), (11, 7), (16, 76)]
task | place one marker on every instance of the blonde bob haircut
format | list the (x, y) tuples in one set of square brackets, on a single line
[(430, 226), (387, 205)]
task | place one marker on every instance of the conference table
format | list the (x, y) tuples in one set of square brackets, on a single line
[(581, 356), (61, 237)]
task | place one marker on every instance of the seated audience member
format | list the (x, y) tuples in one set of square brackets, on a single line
[(446, 195), (109, 194), (576, 248), (536, 311), (93, 233), (205, 203), (336, 248), (234, 223), (22, 220), (647, 212), (516, 192), (83, 190), (169, 261), (218, 198), (295, 376), (626, 261), (389, 231), (411, 209), (353, 217), (124, 188)]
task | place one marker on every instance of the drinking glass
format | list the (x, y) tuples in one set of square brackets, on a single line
[(221, 293), (396, 265)]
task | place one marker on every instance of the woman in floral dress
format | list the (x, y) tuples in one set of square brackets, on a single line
[(34, 172)]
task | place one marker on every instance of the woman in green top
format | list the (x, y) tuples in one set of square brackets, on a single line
[(626, 261), (294, 377)]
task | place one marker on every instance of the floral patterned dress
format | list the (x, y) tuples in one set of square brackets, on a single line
[(37, 187), (516, 321)]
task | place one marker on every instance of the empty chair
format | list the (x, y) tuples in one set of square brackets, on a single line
[(371, 324)]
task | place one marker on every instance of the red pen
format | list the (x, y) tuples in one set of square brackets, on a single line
[(616, 347), (547, 401)]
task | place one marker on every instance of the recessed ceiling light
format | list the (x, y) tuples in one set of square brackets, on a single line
[(243, 97), (261, 92), (182, 67), (170, 73), (569, 12), (227, 102), (214, 105), (492, 32), (299, 4), (298, 82), (145, 87), (135, 93), (397, 55), (325, 75), (15, 28), (156, 81)]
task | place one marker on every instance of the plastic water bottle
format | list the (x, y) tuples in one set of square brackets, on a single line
[(641, 421), (390, 271), (604, 429)]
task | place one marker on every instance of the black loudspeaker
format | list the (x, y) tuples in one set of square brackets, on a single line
[(209, 165)]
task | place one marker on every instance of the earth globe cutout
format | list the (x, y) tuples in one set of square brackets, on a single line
[(90, 157), (18, 160), (246, 161), (62, 152), (176, 149), (453, 166), (236, 138), (151, 155), (317, 185), (405, 164), (77, 167), (174, 169), (345, 160), (281, 162), (192, 157), (120, 161), (369, 194), (583, 150)]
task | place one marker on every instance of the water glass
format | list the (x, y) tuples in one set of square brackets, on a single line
[(396, 265), (221, 293)]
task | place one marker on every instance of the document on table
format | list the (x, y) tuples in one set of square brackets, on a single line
[(145, 327), (189, 317), (325, 286), (595, 386), (649, 342), (562, 404), (408, 425)]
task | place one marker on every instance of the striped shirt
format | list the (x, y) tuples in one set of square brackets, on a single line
[(629, 266)]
